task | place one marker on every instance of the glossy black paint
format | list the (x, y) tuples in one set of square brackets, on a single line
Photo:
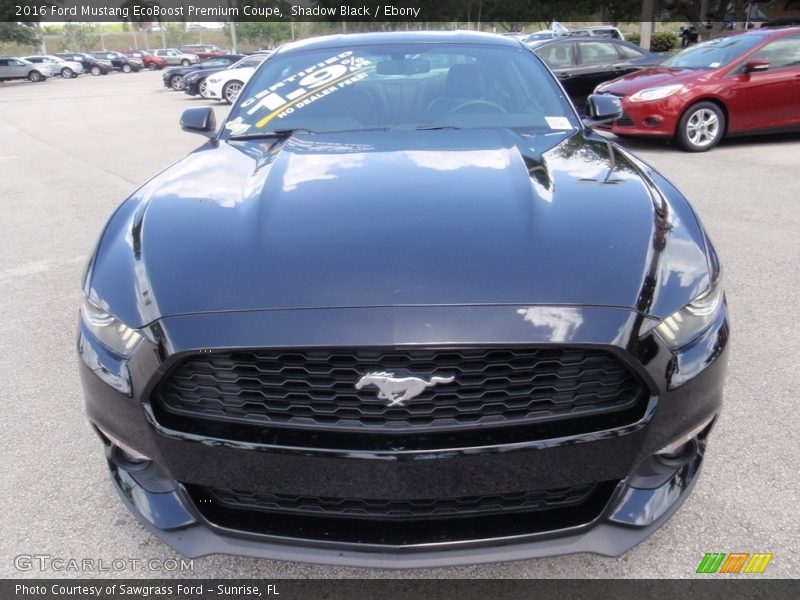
[(580, 73), (118, 60), (192, 80), (87, 60), (393, 238), (581, 224), (210, 65)]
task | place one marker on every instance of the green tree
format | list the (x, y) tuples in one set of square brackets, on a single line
[(78, 37), (264, 33), (175, 34), (24, 34)]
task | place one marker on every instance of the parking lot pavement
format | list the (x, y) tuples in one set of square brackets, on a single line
[(71, 150)]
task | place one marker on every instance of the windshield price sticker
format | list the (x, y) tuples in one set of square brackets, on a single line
[(307, 86)]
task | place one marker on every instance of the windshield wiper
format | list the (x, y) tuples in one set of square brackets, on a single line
[(265, 135)]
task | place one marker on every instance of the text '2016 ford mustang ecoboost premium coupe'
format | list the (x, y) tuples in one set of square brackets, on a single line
[(404, 309)]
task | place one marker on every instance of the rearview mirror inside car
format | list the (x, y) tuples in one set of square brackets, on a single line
[(199, 120), (404, 66)]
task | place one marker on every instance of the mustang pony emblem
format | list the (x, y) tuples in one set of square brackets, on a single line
[(398, 389)]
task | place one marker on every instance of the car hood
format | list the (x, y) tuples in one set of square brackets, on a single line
[(237, 73), (197, 74), (400, 218), (653, 77)]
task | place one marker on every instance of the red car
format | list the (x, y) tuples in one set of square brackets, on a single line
[(150, 61), (204, 51), (740, 84)]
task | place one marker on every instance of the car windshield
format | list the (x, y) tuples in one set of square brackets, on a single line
[(713, 53), (405, 86)]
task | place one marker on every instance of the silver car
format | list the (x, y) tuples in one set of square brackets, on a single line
[(173, 56), (66, 68), (19, 68)]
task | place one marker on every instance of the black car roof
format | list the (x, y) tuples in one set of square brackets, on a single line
[(401, 37)]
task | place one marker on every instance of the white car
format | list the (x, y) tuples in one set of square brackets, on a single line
[(66, 68), (226, 85)]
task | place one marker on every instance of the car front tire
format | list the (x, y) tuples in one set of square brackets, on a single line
[(35, 76), (202, 88), (96, 71), (177, 83), (152, 66), (185, 62), (126, 68), (67, 73), (701, 127)]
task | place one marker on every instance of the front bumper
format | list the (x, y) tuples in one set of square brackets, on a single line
[(642, 492), (191, 87), (658, 118), (214, 91)]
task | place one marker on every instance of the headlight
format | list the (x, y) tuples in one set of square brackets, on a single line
[(656, 93), (110, 331), (682, 326)]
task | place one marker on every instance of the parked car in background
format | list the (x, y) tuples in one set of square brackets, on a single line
[(688, 35), (137, 61), (174, 76), (539, 37), (19, 68), (204, 51), (119, 62), (739, 84), (581, 64), (173, 56), (227, 84), (59, 66), (90, 64), (195, 83), (149, 61), (603, 31)]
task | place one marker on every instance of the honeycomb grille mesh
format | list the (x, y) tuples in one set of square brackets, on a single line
[(316, 387), (401, 509)]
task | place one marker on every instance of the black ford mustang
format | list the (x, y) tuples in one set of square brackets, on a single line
[(403, 309)]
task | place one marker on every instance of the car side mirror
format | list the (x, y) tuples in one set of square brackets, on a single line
[(602, 108), (199, 120), (754, 66)]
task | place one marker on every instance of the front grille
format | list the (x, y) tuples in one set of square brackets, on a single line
[(402, 522), (314, 389), (624, 121), (400, 509)]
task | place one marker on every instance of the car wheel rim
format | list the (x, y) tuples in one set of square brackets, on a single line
[(203, 87), (177, 83), (95, 70), (232, 91), (702, 128), (34, 77)]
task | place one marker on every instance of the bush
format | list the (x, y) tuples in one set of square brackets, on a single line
[(660, 41), (663, 41)]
